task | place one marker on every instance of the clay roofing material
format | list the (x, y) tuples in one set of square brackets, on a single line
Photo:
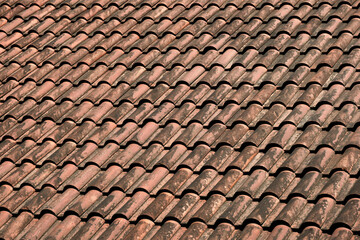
[(206, 119)]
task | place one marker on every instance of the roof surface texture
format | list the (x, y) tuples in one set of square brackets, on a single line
[(179, 119)]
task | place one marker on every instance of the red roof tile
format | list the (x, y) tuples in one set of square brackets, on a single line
[(179, 119)]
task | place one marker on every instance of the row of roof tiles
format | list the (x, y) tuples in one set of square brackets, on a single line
[(217, 63), (287, 135), (50, 45), (166, 35), (325, 12), (297, 213), (145, 81), (223, 97), (258, 183), (288, 54), (99, 40), (72, 227), (251, 59), (249, 157), (172, 3), (98, 138), (28, 113)]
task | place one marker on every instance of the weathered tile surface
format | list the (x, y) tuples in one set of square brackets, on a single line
[(204, 119)]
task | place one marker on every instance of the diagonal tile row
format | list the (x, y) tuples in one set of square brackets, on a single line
[(65, 44), (171, 3), (249, 158), (206, 10), (279, 180), (48, 79), (297, 213), (223, 101), (21, 65), (177, 19), (72, 227), (179, 119), (203, 37), (263, 135)]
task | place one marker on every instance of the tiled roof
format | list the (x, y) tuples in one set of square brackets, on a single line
[(187, 119)]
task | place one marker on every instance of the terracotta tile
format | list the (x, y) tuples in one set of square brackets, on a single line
[(334, 136), (64, 227), (5, 216), (7, 124), (99, 134), (260, 134), (177, 180), (6, 166), (349, 213), (89, 228), (17, 152), (116, 227), (122, 157), (140, 230), (158, 205), (19, 173), (56, 113), (321, 211), (310, 231), (41, 226), (102, 180), (345, 114), (5, 191), (220, 157), (145, 132), (251, 231), (280, 184), (321, 114), (252, 184), (342, 233), (167, 230), (37, 177), (290, 212), (150, 155), (164, 110), (133, 204), (109, 203), (245, 157), (14, 201), (296, 158), (332, 187), (194, 231), (212, 205), (305, 187), (196, 156), (81, 204), (264, 209), (37, 201), (213, 134), (202, 181), (308, 136), (348, 160), (19, 109), (79, 132), (152, 180), (273, 114), (38, 131), (17, 225), (80, 178), (62, 175), (184, 206), (280, 231), (130, 178)]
